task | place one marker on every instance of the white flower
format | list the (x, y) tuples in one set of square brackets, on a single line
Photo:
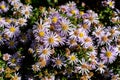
[(101, 67), (6, 57)]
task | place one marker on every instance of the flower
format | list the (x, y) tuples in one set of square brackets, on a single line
[(51, 40), (11, 31), (44, 52), (16, 77), (58, 62), (3, 7), (109, 55), (6, 56), (26, 10), (22, 21), (73, 59), (101, 66), (84, 68), (35, 67)]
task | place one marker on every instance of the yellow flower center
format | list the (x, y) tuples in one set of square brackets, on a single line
[(81, 34), (45, 51), (12, 29), (108, 54), (51, 40), (110, 3), (73, 58), (54, 19), (43, 63), (11, 43), (72, 41), (2, 7), (13, 60), (81, 13), (8, 20), (65, 27), (87, 40), (72, 11), (41, 33)]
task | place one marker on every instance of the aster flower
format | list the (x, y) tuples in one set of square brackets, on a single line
[(110, 3), (17, 5), (73, 59), (44, 53), (84, 68), (22, 21), (58, 62), (51, 40), (26, 10), (71, 43), (109, 55), (93, 18), (35, 67), (87, 42), (16, 77), (11, 43), (6, 56), (11, 31), (101, 67), (3, 7), (65, 26)]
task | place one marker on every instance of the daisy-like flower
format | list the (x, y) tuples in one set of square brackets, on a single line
[(93, 18), (6, 56), (73, 59), (26, 10), (71, 43), (16, 77), (41, 62), (11, 31), (44, 53), (98, 32), (84, 68), (104, 38), (65, 26), (15, 60), (114, 33), (22, 21), (87, 42), (110, 3), (12, 43), (3, 7), (115, 77), (109, 55), (17, 6), (35, 67), (101, 67), (51, 40), (58, 62)]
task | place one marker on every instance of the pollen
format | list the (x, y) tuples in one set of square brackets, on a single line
[(73, 58), (58, 62), (81, 13), (105, 38), (64, 27), (81, 34), (12, 29), (108, 54), (54, 19), (45, 51), (2, 7), (41, 33), (51, 40), (72, 11)]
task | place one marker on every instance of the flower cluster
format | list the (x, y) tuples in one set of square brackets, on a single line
[(61, 43)]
